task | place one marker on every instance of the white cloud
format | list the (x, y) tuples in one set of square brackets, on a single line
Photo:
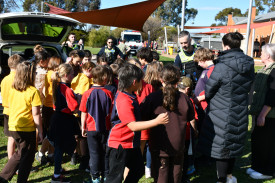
[(210, 8)]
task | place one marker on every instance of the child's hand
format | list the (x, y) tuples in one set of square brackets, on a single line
[(84, 133), (39, 137), (162, 118)]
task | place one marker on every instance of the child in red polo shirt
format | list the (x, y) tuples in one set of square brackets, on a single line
[(204, 57), (124, 138), (96, 106)]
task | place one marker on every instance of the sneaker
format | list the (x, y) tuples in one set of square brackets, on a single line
[(73, 159), (191, 170), (60, 179), (90, 180), (147, 172), (259, 176), (250, 171), (41, 159), (231, 179)]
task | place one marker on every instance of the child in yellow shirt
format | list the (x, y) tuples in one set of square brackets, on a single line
[(6, 83), (24, 118)]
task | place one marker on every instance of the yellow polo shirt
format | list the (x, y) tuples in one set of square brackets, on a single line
[(5, 90), (21, 103), (48, 102), (81, 83)]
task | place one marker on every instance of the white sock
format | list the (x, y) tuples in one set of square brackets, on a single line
[(40, 153)]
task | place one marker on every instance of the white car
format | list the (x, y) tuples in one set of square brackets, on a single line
[(21, 31)]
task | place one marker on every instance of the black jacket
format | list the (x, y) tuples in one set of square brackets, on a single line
[(224, 129)]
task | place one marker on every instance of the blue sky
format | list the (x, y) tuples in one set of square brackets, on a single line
[(207, 9)]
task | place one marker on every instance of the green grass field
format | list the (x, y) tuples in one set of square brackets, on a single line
[(204, 174)]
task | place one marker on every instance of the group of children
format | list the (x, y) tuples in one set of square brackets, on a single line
[(105, 113)]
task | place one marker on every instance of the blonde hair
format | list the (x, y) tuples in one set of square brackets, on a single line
[(203, 54), (152, 74), (24, 76), (63, 70), (14, 60)]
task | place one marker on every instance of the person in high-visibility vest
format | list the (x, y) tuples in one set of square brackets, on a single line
[(185, 59), (72, 44), (110, 51)]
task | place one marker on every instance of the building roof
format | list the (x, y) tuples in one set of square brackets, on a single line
[(239, 19), (260, 18)]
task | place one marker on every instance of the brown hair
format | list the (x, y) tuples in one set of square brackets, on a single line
[(63, 69), (38, 48), (100, 75), (88, 66), (119, 61), (54, 62), (152, 74), (115, 68), (14, 60), (102, 59), (24, 76), (134, 61), (77, 53), (203, 54), (170, 76)]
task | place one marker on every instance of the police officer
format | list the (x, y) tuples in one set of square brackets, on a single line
[(110, 51), (184, 60), (72, 44)]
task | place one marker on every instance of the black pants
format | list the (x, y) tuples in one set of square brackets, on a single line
[(263, 148), (121, 158), (23, 158), (99, 164), (224, 167)]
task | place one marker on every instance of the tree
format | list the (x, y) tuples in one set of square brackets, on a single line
[(69, 5), (152, 24), (223, 14), (8, 5), (261, 4), (170, 12), (116, 33)]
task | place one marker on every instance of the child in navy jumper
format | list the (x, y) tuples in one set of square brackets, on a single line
[(96, 107), (124, 138), (63, 122)]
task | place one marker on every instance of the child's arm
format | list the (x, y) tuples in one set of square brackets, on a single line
[(194, 126), (143, 125), (83, 120), (38, 121)]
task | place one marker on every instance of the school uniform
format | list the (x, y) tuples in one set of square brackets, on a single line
[(97, 103), (167, 142), (47, 108), (63, 125), (5, 91), (22, 129), (123, 143), (200, 86)]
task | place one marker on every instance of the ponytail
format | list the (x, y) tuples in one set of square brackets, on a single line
[(63, 69), (170, 76), (170, 93)]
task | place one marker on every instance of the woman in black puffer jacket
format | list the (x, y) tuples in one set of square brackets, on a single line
[(224, 129)]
